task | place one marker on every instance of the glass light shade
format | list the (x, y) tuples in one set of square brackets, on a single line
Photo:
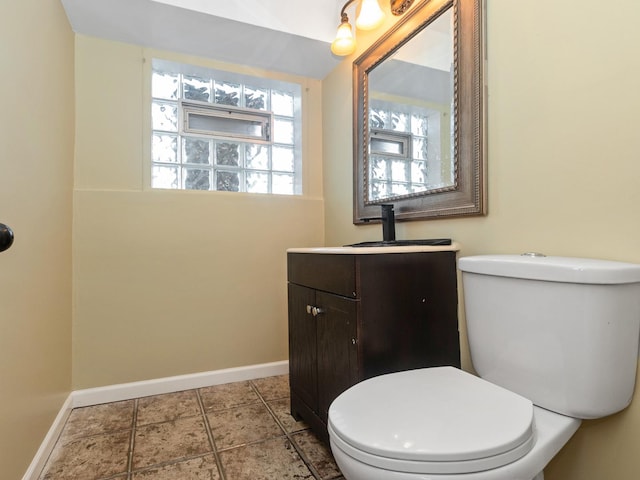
[(371, 15), (344, 44)]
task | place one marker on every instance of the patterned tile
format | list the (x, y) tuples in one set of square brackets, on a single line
[(105, 418), (229, 395), (318, 454), (282, 409), (162, 442), (171, 441), (164, 408), (201, 468), (88, 458), (272, 388), (268, 460), (242, 425)]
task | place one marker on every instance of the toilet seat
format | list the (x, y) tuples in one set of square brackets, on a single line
[(443, 420)]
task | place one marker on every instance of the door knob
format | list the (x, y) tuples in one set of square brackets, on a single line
[(6, 237)]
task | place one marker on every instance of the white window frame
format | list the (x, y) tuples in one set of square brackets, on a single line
[(240, 115), (401, 139)]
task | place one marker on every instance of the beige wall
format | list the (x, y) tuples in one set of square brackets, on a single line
[(170, 282), (36, 158), (564, 166)]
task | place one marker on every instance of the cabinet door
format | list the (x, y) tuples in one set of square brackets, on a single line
[(303, 373), (337, 348), (409, 312)]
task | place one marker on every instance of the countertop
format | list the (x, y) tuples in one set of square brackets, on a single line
[(454, 247)]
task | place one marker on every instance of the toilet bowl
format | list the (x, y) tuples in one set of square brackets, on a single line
[(553, 339), (443, 424)]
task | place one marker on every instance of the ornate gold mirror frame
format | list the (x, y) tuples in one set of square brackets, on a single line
[(467, 194), (398, 7)]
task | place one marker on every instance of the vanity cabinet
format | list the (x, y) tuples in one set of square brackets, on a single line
[(355, 315)]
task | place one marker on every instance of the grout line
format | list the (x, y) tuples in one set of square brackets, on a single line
[(132, 439), (212, 441), (289, 436), (171, 461), (304, 458), (98, 434), (115, 476), (185, 417), (251, 443)]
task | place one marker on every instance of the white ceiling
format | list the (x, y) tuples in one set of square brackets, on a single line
[(291, 36), (316, 19)]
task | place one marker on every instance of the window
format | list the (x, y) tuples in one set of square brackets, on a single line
[(215, 130), (224, 122), (404, 149)]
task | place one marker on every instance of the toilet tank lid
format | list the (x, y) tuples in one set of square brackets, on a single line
[(553, 269)]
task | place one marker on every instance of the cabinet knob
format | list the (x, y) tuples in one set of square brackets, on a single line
[(315, 311)]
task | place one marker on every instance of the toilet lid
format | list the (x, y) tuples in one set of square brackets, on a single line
[(432, 420)]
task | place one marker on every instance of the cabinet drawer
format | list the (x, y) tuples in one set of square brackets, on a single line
[(326, 272)]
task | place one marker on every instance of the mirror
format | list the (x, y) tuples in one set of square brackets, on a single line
[(419, 116)]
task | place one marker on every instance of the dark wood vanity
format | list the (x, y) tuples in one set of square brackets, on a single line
[(354, 315)]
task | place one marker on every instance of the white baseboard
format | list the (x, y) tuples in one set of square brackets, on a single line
[(127, 391), (46, 447)]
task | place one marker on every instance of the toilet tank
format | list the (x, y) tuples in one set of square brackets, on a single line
[(563, 332)]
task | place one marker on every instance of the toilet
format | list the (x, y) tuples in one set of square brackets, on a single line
[(553, 340)]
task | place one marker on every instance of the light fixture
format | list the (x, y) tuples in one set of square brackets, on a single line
[(371, 17), (344, 43)]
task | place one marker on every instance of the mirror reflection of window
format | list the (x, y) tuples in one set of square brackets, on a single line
[(407, 151), (388, 143), (411, 94)]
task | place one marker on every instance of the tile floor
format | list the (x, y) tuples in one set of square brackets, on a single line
[(236, 431)]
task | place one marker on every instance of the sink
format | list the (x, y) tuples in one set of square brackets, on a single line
[(402, 243)]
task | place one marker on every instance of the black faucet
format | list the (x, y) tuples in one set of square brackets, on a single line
[(389, 232), (388, 223)]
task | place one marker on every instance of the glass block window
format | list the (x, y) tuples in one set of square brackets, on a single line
[(216, 130), (404, 149)]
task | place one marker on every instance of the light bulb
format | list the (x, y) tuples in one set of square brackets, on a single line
[(344, 44), (371, 15)]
